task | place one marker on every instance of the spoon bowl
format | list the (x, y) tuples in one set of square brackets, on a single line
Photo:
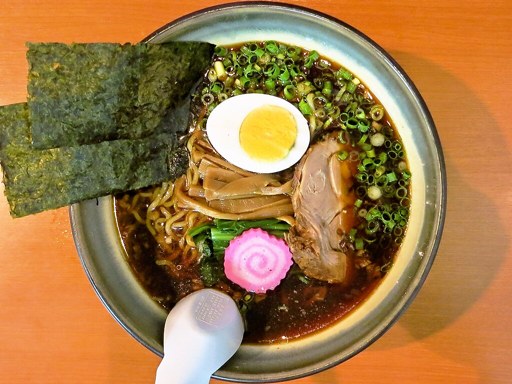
[(201, 333)]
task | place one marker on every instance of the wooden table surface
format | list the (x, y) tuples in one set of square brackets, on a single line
[(53, 328)]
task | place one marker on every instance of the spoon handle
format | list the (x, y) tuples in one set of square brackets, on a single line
[(169, 373)]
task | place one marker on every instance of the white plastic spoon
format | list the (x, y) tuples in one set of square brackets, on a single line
[(201, 333)]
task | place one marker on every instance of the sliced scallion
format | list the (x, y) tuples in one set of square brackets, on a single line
[(343, 155), (374, 192)]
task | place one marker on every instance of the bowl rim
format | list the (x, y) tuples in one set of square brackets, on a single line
[(423, 272)]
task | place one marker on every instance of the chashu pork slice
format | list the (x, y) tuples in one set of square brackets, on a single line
[(323, 204)]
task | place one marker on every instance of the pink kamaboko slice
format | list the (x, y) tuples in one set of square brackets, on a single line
[(257, 261)]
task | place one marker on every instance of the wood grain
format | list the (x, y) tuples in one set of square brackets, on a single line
[(53, 328)]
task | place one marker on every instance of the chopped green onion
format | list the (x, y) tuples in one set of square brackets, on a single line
[(271, 47), (343, 155), (295, 71), (380, 170), (293, 52), (377, 139), (305, 87), (362, 140), (389, 190), (284, 76), (251, 71), (344, 116), (390, 225), (310, 98), (382, 181), (373, 214), (270, 84), (220, 51), (248, 297), (311, 58), (340, 93), (401, 192), (320, 113), (220, 70), (366, 147), (352, 123), (370, 153), (354, 156), (211, 75), (264, 58), (367, 164), (327, 89), (351, 87), (272, 70), (377, 112), (344, 74), (259, 52), (289, 92), (363, 125), (386, 217), (405, 202), (360, 114), (360, 191), (328, 122), (305, 108), (374, 192), (207, 98), (362, 177), (391, 176), (216, 87), (372, 227), (341, 137), (243, 82), (334, 112), (303, 279)]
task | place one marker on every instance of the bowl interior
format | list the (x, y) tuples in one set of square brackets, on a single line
[(100, 249)]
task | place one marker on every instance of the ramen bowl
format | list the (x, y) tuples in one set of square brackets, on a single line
[(102, 254)]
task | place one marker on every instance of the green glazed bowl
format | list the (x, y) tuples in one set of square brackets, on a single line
[(102, 254)]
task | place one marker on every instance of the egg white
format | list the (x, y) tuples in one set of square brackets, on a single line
[(223, 130)]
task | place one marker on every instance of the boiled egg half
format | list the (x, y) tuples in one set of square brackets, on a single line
[(258, 132)]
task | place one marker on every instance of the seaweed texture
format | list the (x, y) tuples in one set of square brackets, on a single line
[(92, 92), (36, 180)]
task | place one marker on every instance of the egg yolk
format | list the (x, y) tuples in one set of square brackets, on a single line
[(268, 133)]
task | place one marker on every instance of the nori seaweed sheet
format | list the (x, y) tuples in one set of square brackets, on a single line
[(37, 180), (85, 93)]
